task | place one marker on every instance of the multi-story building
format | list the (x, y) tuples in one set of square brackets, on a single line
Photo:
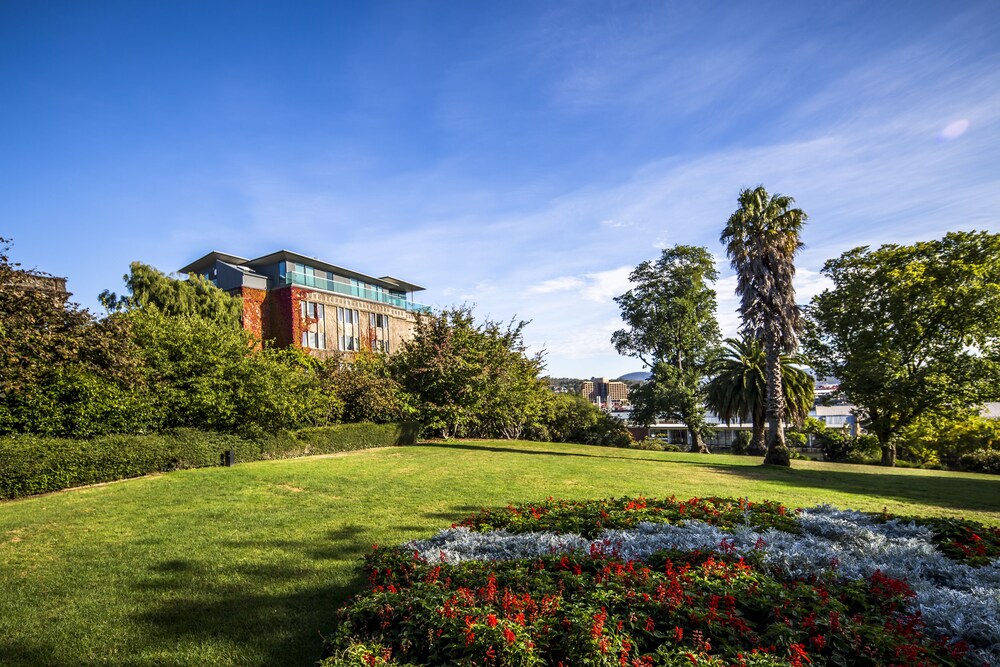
[(605, 392), (303, 301)]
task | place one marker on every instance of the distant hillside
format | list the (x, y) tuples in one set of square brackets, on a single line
[(640, 376)]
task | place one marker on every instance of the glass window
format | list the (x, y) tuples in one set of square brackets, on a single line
[(313, 325), (378, 332), (347, 323)]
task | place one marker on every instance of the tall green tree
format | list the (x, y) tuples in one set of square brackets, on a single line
[(738, 388), (911, 330), (671, 327), (61, 371), (470, 379), (762, 239), (196, 295)]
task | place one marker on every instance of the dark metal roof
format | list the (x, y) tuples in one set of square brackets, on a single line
[(204, 263), (201, 264), (316, 263)]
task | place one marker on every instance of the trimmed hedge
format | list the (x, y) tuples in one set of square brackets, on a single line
[(31, 464)]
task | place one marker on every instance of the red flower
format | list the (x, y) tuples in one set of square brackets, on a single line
[(798, 655)]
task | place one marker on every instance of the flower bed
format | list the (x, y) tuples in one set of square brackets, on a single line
[(644, 582)]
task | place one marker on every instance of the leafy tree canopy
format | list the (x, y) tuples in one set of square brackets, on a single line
[(911, 330), (61, 371), (738, 387), (470, 379), (194, 296), (671, 327)]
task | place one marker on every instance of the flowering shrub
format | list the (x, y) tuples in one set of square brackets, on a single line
[(743, 584), (966, 541), (589, 517)]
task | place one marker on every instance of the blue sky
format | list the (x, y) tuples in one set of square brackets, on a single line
[(520, 156)]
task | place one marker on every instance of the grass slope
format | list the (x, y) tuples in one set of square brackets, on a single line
[(247, 565)]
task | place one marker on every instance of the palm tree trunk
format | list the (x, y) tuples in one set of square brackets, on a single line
[(777, 451), (757, 445)]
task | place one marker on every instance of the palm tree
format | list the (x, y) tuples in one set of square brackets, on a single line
[(762, 238), (737, 390)]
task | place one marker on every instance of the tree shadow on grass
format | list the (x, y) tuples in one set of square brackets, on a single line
[(953, 493), (267, 613), (15, 652), (271, 613), (540, 452), (453, 513)]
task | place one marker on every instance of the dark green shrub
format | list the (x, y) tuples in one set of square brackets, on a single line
[(572, 418), (366, 389), (648, 444), (609, 432), (982, 460), (795, 439), (209, 376), (835, 445), (741, 442), (864, 448), (35, 464), (74, 402), (842, 448)]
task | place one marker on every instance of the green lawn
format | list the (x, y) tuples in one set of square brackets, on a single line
[(247, 565)]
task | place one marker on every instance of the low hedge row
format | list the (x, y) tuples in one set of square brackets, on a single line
[(31, 464)]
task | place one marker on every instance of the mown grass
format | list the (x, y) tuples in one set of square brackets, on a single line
[(247, 565)]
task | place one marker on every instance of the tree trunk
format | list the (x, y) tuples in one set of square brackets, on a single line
[(888, 453), (777, 451), (698, 445), (758, 447)]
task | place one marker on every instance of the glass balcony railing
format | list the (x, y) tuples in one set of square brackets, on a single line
[(296, 278)]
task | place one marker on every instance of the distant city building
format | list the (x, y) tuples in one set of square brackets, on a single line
[(604, 392), (305, 302), (839, 417)]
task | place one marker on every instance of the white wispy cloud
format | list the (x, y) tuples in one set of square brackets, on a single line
[(603, 286), (562, 284)]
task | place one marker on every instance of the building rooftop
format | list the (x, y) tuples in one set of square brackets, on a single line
[(204, 263)]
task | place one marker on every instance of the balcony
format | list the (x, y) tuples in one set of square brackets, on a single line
[(297, 278)]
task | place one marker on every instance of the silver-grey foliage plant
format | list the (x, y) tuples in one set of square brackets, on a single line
[(954, 599)]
